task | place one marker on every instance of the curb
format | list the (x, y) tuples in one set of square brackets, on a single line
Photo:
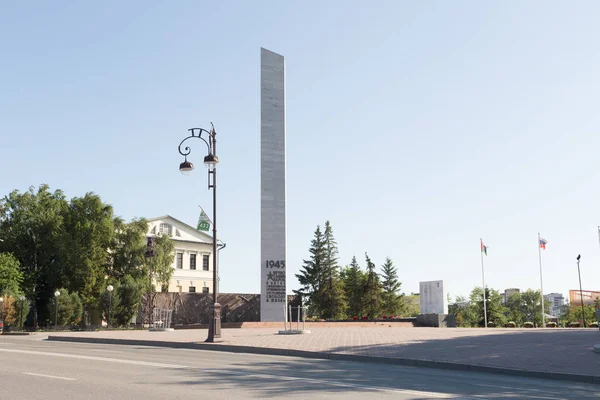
[(16, 333), (408, 362)]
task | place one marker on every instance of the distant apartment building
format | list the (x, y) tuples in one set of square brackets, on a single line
[(510, 292), (556, 301)]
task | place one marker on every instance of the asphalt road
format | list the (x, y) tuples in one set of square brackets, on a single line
[(32, 369)]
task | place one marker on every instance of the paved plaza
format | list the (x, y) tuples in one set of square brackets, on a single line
[(554, 351)]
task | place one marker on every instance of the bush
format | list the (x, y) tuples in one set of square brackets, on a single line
[(70, 308), (124, 303), (510, 324), (551, 325), (491, 324), (573, 325), (593, 325), (528, 324), (355, 318)]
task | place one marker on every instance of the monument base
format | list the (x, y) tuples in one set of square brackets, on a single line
[(295, 332), (161, 330), (436, 320)]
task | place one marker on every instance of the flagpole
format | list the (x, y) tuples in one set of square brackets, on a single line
[(541, 281), (483, 280), (598, 235)]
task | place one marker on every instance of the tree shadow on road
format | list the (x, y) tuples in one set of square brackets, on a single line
[(294, 377), (556, 350)]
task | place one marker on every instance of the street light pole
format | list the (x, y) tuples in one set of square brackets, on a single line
[(210, 160), (150, 253), (56, 294), (109, 288), (581, 291), (22, 298)]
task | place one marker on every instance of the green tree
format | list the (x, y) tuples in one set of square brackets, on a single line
[(88, 231), (130, 293), (496, 312), (311, 275), (70, 309), (128, 250), (412, 305), (516, 309), (31, 224), (573, 313), (372, 290), (531, 306), (460, 309), (162, 262), (354, 280), (11, 276), (22, 308), (392, 303), (333, 303), (126, 297)]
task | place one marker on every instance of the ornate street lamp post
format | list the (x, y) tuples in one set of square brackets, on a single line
[(210, 160)]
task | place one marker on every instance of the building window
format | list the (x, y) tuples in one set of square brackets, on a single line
[(153, 231), (192, 289), (179, 260), (166, 229), (204, 290), (177, 233), (192, 261), (205, 262)]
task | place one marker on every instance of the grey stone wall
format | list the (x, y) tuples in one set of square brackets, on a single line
[(193, 308)]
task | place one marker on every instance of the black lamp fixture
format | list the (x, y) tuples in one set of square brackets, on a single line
[(210, 160)]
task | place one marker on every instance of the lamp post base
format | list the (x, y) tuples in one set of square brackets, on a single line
[(214, 324)]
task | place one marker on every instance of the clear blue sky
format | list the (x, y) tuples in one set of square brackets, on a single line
[(415, 128)]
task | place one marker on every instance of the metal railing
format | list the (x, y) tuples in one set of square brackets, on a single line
[(301, 313), (162, 319)]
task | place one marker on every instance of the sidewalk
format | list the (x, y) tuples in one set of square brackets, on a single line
[(565, 354)]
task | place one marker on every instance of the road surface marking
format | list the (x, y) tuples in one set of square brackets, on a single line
[(49, 376), (353, 386), (105, 359), (282, 377), (517, 388)]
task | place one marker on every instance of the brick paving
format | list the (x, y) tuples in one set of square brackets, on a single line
[(551, 350)]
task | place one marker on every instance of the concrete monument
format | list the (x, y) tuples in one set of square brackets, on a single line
[(273, 299), (433, 297)]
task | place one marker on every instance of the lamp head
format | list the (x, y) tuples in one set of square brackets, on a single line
[(211, 160), (186, 167), (56, 294), (109, 288), (578, 257)]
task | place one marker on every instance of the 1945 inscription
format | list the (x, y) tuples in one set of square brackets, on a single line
[(275, 281)]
